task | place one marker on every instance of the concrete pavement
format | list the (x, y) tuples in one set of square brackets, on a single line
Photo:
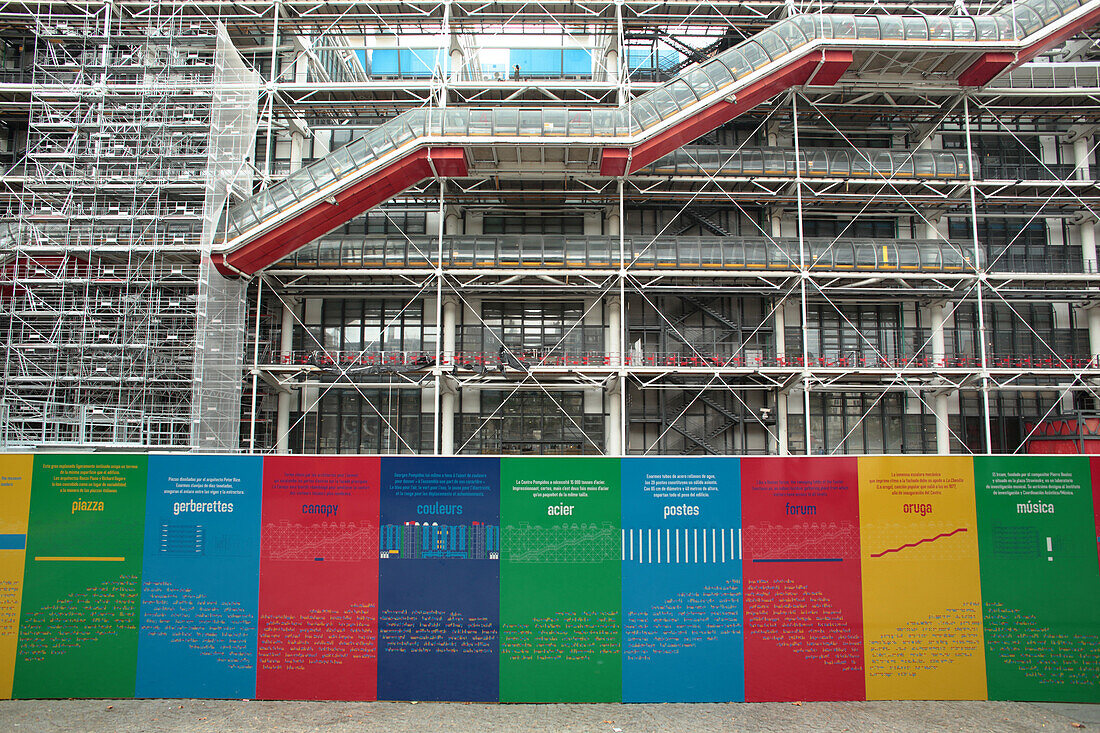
[(221, 716)]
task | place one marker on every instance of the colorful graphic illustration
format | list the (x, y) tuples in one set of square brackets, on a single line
[(803, 614), (1040, 589), (78, 626), (318, 601), (921, 593), (681, 569), (439, 623), (560, 580)]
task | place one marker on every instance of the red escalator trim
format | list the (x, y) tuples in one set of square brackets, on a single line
[(324, 216)]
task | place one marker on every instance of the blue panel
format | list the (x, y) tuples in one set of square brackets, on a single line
[(576, 62), (419, 62), (383, 62), (361, 54), (201, 577), (439, 581), (536, 62), (13, 541), (682, 596)]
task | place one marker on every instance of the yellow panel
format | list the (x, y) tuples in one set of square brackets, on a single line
[(15, 501), (922, 602)]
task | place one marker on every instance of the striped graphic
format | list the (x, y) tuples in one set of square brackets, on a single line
[(707, 545)]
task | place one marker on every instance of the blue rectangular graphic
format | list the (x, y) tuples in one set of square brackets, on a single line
[(439, 581), (682, 595), (13, 541), (201, 577)]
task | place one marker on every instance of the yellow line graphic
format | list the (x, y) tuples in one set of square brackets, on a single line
[(46, 558)]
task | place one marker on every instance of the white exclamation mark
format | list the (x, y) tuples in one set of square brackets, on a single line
[(1050, 548)]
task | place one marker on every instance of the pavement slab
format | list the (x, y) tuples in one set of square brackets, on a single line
[(220, 716)]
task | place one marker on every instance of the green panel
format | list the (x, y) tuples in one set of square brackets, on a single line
[(79, 622), (1040, 582), (560, 591)]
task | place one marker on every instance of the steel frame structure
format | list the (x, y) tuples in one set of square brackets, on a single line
[(754, 377)]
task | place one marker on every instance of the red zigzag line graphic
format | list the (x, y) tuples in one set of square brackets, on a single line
[(919, 542)]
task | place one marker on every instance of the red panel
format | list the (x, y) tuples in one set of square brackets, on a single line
[(803, 585), (795, 73), (352, 201), (613, 161), (1076, 26), (833, 66), (318, 636), (985, 68)]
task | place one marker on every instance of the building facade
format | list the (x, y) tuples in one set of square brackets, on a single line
[(673, 228)]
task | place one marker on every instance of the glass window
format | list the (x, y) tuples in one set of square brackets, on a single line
[(505, 121), (580, 122), (699, 83), (892, 27), (939, 28), (789, 31), (772, 44), (964, 28), (753, 54), (844, 26), (662, 101), (916, 28), (681, 93), (644, 112), (867, 27)]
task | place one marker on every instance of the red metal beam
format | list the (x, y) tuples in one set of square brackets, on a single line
[(613, 161), (833, 65), (982, 71), (325, 216)]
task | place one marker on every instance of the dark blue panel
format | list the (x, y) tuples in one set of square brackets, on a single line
[(682, 597), (439, 583), (201, 577)]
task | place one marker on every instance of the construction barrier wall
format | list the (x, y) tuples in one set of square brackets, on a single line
[(550, 579)]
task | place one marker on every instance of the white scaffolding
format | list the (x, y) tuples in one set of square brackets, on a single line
[(99, 267), (220, 307)]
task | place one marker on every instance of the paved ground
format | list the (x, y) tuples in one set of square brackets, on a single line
[(219, 716)]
